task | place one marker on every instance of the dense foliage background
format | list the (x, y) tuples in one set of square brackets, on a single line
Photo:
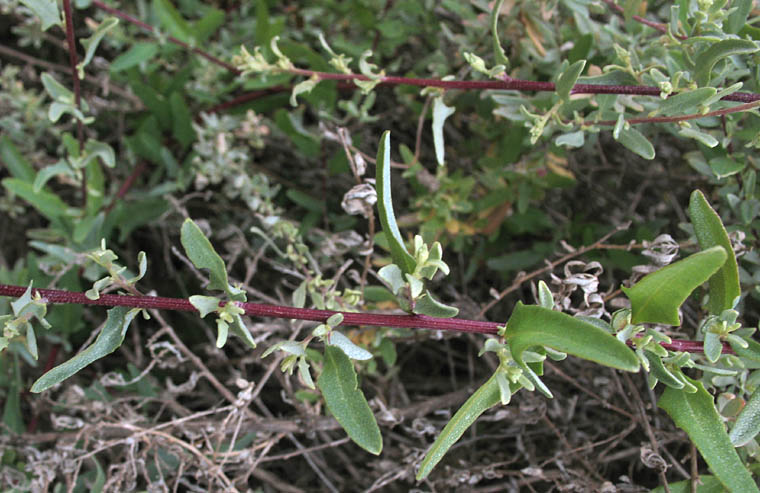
[(164, 132)]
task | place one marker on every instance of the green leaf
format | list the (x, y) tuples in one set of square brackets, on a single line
[(305, 200), (686, 102), (303, 87), (498, 52), (567, 79), (724, 284), (208, 24), (56, 90), (724, 166), (707, 484), (91, 44), (172, 20), (487, 396), (392, 274), (61, 168), (701, 137), (12, 417), (660, 371), (204, 304), (101, 150), (47, 11), (440, 113), (545, 296), (203, 256), (751, 352), (14, 162), (427, 305), (100, 478), (736, 19), (696, 415), (48, 204), (182, 120), (572, 139), (401, 256), (706, 60), (239, 329), (346, 401), (636, 142), (110, 338), (345, 344), (137, 54), (656, 298), (747, 424), (534, 325), (713, 347)]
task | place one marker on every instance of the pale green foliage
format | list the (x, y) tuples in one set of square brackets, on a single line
[(223, 157), (109, 339), (105, 258), (19, 325), (24, 116)]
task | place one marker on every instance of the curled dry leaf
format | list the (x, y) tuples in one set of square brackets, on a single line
[(661, 251), (583, 276), (359, 200), (737, 239)]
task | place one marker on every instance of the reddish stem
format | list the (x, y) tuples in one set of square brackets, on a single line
[(126, 185), (71, 42), (148, 27), (658, 26), (56, 296), (507, 84)]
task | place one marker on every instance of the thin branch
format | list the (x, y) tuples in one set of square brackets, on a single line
[(71, 41), (658, 26), (507, 83), (694, 116), (148, 27), (58, 296), (548, 268)]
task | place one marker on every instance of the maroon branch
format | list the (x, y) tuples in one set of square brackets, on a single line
[(71, 42), (172, 39), (658, 26), (507, 84), (57, 296)]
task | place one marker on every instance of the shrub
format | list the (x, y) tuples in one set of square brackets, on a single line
[(565, 140)]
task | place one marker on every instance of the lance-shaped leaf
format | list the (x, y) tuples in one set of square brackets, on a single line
[(656, 298), (401, 256), (498, 52), (695, 413), (487, 396), (724, 284), (47, 203), (534, 325), (91, 44), (636, 142), (14, 161), (203, 256), (567, 78), (686, 102), (748, 422), (716, 51), (346, 401), (110, 338)]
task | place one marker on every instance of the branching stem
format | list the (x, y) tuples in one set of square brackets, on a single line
[(58, 296)]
